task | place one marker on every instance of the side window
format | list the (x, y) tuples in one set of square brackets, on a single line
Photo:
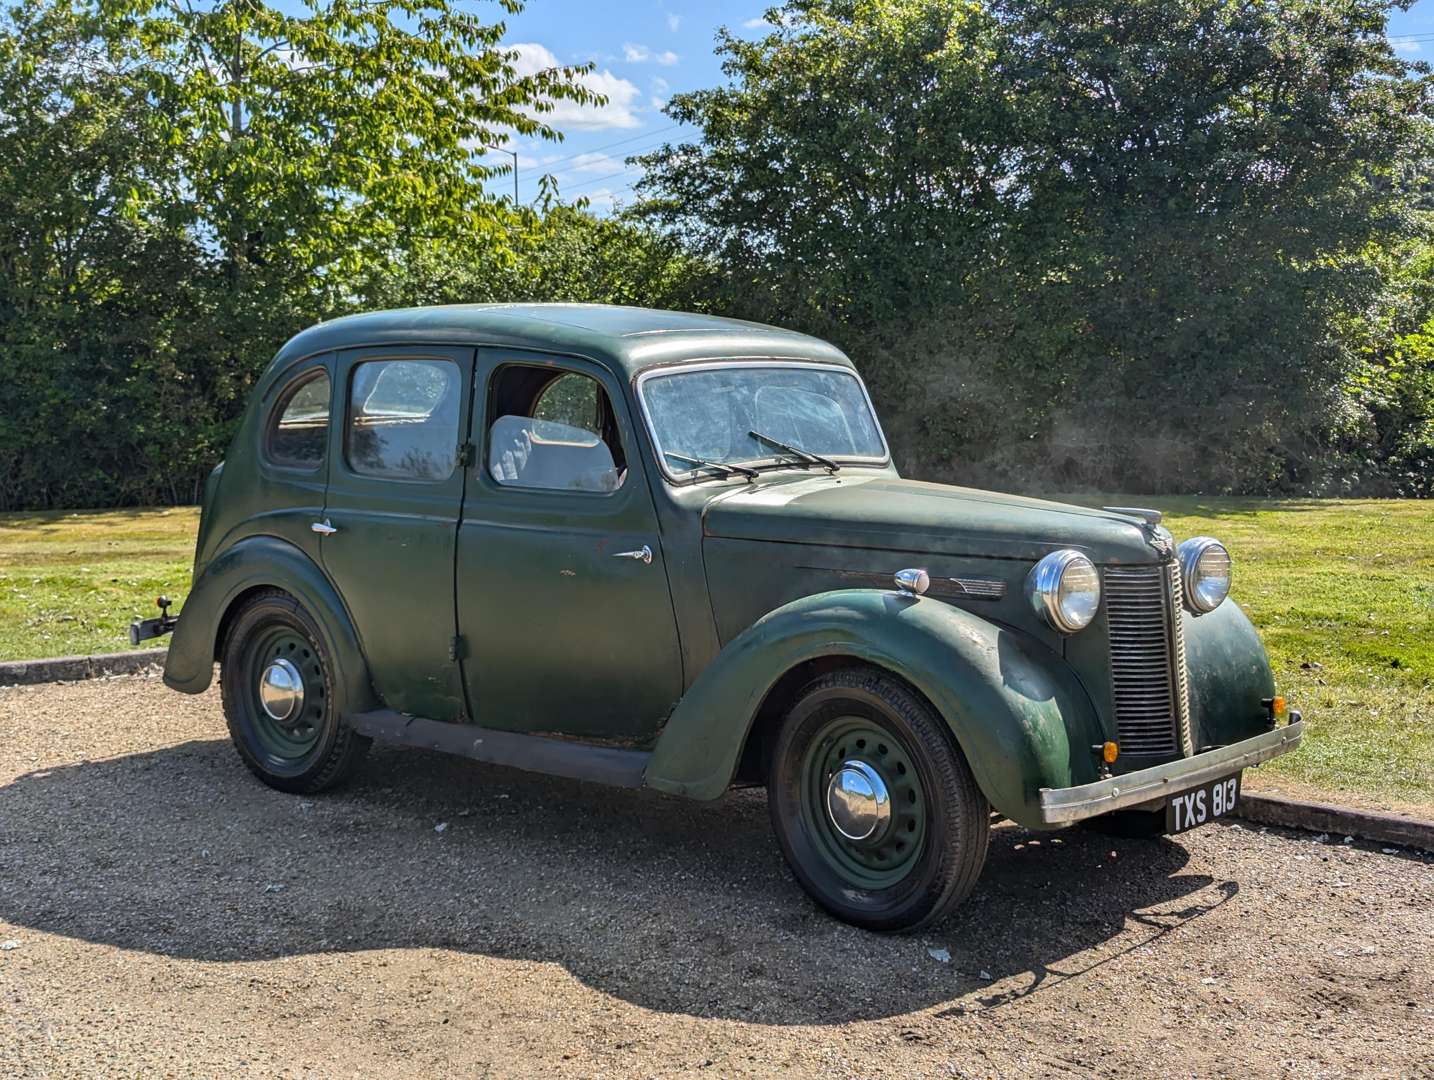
[(570, 399), (403, 419), (555, 434), (299, 425)]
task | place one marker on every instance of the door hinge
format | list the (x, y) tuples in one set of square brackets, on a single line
[(465, 455), (455, 647)]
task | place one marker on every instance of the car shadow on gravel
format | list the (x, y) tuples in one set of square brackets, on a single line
[(675, 906)]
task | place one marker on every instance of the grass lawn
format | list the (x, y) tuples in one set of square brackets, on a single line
[(70, 581), (1343, 591)]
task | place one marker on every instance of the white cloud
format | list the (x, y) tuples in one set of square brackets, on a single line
[(594, 162), (622, 96), (659, 85), (641, 54), (755, 24), (1406, 46), (673, 22)]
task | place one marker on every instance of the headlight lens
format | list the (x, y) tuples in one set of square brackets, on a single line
[(1205, 571), (1064, 589)]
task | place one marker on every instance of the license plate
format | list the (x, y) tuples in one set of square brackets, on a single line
[(1203, 804)]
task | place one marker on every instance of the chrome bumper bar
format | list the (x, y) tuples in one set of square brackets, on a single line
[(1062, 805)]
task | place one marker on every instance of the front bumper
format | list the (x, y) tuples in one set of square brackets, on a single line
[(1060, 806)]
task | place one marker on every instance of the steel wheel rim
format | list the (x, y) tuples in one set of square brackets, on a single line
[(888, 855), (291, 738)]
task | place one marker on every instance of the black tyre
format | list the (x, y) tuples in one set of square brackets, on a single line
[(278, 683), (853, 736)]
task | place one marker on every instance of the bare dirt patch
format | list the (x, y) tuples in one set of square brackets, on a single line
[(161, 912)]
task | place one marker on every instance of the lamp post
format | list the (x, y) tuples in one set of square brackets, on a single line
[(505, 150)]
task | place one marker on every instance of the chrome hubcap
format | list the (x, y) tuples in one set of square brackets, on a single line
[(857, 801), (281, 690)]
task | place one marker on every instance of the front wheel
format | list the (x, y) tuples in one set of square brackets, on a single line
[(278, 686), (873, 803)]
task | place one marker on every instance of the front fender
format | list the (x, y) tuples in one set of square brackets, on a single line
[(254, 562), (1230, 676), (1014, 707)]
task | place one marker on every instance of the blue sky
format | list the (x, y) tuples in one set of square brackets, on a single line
[(645, 50)]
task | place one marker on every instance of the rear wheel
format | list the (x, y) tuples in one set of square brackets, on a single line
[(873, 803), (278, 684)]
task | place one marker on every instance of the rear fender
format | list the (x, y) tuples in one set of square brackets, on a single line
[(260, 562), (1014, 707)]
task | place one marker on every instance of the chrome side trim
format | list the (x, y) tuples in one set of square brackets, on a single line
[(978, 588), (1060, 806), (949, 587)]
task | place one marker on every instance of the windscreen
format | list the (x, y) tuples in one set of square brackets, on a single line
[(740, 413)]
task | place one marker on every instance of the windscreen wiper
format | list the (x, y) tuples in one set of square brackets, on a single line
[(721, 466), (807, 455)]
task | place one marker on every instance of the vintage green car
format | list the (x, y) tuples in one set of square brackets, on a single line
[(647, 548)]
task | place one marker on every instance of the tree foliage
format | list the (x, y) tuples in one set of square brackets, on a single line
[(184, 186), (1121, 246), (1161, 244)]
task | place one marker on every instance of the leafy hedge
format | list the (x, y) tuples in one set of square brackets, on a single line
[(1166, 245), (1162, 245)]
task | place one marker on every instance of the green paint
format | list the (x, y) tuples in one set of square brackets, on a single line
[(746, 580)]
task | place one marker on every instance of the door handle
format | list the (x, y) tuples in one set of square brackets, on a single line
[(644, 554), (323, 528)]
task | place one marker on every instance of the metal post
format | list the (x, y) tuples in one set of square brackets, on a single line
[(505, 150)]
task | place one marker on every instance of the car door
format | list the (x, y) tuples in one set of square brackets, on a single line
[(563, 602), (395, 486)]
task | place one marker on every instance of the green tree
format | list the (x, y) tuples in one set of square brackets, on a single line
[(96, 395), (1070, 243), (183, 186), (564, 254), (1388, 445), (318, 146), (853, 167)]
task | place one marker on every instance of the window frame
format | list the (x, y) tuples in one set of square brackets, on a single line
[(549, 362), (362, 474), (282, 401), (697, 474)]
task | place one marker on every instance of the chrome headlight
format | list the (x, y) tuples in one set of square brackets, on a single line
[(1205, 572), (1064, 589)]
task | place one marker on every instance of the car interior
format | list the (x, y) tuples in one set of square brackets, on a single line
[(553, 430)]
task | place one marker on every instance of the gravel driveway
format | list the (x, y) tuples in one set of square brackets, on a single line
[(163, 913)]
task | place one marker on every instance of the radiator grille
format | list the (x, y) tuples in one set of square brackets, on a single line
[(1147, 660)]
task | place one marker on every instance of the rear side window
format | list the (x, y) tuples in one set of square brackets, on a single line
[(299, 427), (403, 419)]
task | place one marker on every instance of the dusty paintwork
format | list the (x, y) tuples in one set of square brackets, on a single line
[(470, 603)]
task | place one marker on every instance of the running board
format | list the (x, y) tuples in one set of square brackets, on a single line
[(533, 753)]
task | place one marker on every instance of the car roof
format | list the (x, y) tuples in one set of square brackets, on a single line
[(630, 338)]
